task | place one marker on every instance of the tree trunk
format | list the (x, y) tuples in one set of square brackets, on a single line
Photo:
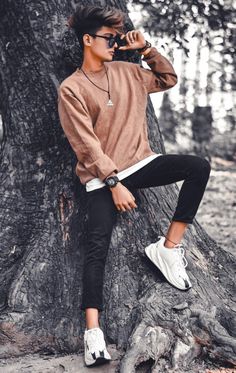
[(202, 130), (43, 226), (168, 119)]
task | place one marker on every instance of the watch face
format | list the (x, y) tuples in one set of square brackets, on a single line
[(111, 182)]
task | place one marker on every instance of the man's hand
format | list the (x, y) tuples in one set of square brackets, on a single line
[(135, 40), (122, 198)]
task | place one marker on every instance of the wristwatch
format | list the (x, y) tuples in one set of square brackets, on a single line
[(147, 45), (111, 181)]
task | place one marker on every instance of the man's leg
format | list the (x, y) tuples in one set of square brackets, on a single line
[(101, 218), (175, 233), (165, 170), (102, 215), (92, 318), (168, 169)]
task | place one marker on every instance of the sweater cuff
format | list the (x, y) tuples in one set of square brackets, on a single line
[(114, 173), (153, 52)]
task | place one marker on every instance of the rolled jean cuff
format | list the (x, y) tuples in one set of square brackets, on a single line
[(91, 305), (183, 221)]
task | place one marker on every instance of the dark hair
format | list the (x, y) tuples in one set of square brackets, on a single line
[(89, 19)]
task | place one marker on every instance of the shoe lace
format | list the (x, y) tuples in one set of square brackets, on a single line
[(181, 262)]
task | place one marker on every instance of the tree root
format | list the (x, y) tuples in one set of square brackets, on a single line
[(173, 352)]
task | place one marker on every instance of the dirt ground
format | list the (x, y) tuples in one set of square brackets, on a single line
[(217, 211), (217, 214), (58, 364)]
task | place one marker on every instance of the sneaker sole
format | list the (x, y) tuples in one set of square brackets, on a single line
[(163, 271), (99, 361)]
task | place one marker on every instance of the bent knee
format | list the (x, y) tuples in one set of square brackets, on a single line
[(203, 167), (206, 166)]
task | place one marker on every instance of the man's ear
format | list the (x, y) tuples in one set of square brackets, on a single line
[(87, 39)]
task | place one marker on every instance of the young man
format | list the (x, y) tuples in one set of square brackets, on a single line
[(102, 108)]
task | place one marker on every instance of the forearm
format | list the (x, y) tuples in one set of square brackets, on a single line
[(161, 67)]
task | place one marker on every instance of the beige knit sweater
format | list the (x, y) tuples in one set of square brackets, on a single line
[(109, 139)]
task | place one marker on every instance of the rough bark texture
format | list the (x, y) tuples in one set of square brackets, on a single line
[(43, 227)]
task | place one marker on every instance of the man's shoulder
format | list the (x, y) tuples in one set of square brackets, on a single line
[(69, 80), (71, 83)]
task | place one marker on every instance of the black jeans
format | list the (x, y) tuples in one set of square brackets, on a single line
[(102, 212)]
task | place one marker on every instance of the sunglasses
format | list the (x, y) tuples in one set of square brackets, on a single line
[(111, 40)]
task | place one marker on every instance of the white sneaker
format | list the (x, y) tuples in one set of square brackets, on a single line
[(171, 262), (95, 352)]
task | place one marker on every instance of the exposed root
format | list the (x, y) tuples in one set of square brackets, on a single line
[(147, 343), (173, 352)]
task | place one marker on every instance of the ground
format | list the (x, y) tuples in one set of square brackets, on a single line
[(217, 214)]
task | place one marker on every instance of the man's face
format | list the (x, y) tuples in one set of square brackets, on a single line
[(99, 46)]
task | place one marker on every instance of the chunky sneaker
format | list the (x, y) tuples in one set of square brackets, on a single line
[(171, 262), (95, 351)]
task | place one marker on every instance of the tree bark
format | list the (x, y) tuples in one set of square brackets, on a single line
[(44, 226)]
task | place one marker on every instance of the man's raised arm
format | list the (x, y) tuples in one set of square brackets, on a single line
[(162, 75)]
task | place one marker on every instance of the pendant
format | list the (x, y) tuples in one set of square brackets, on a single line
[(110, 103)]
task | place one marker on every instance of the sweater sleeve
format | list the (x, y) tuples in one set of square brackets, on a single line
[(162, 75), (77, 125)]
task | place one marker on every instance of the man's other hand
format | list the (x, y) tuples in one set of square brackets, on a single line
[(123, 198)]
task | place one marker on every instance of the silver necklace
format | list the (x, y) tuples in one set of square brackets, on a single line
[(109, 103)]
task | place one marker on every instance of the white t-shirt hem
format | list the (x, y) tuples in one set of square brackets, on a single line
[(96, 183)]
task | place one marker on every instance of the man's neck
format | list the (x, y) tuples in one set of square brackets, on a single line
[(92, 66)]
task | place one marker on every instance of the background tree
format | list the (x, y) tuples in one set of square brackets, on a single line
[(43, 225), (168, 117), (212, 26)]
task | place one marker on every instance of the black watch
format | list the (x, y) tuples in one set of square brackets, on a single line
[(111, 181), (147, 45)]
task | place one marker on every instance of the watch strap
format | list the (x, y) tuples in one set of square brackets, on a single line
[(147, 45)]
